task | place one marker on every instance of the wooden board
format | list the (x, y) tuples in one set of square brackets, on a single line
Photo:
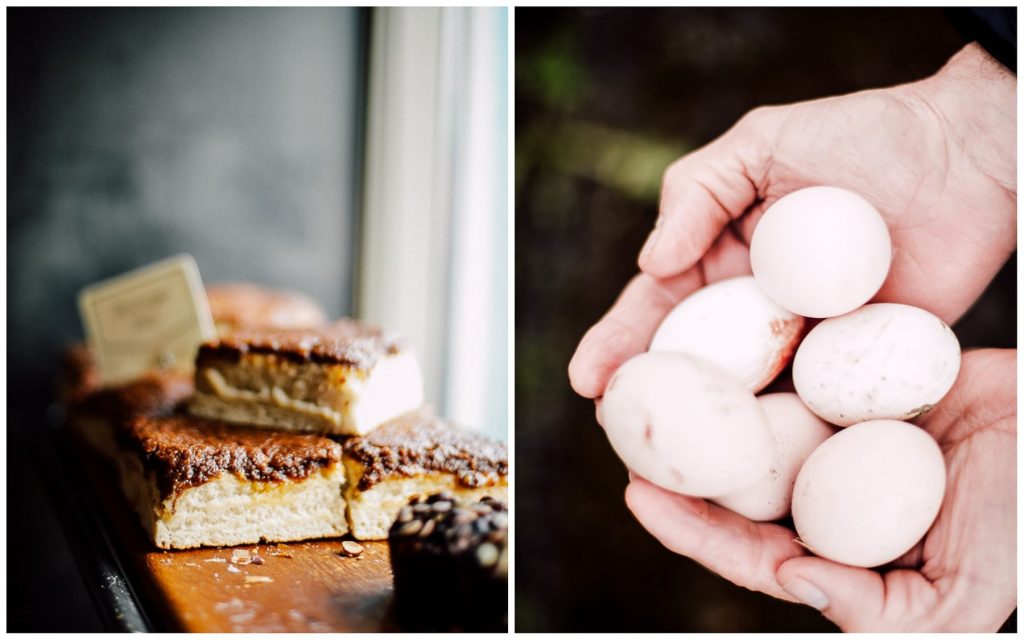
[(312, 587), (313, 590)]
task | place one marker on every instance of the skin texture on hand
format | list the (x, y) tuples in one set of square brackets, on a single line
[(936, 157), (938, 160), (962, 577)]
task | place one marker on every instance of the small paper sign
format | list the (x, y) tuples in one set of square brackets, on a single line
[(154, 317)]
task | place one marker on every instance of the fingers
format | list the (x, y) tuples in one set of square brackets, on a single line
[(846, 595), (626, 329), (859, 599), (629, 325), (701, 193), (764, 557), (727, 257), (743, 552), (912, 559), (746, 223)]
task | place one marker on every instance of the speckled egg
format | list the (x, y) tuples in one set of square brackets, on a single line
[(880, 361), (796, 432)]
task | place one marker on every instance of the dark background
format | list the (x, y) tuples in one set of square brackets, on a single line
[(605, 99), (136, 134)]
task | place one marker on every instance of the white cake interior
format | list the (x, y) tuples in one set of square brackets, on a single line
[(231, 509), (270, 391)]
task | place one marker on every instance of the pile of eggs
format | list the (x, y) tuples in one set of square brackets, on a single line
[(863, 484)]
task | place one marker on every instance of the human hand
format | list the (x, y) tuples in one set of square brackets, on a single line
[(936, 157), (961, 577)]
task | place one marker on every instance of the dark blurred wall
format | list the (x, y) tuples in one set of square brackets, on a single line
[(605, 99), (229, 134), (134, 134)]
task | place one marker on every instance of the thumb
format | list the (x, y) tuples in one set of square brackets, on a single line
[(851, 597), (702, 192)]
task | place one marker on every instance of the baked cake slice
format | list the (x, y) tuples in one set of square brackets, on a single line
[(414, 454), (344, 378), (95, 414), (199, 483)]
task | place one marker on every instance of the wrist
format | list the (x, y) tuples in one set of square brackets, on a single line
[(974, 97)]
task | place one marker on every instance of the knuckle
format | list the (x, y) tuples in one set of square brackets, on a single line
[(675, 175), (758, 114), (672, 172)]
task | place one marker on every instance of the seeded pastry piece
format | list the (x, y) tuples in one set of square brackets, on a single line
[(450, 562), (343, 378), (199, 483), (414, 454), (234, 305)]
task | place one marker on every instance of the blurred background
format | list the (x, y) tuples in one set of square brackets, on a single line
[(605, 100), (357, 155)]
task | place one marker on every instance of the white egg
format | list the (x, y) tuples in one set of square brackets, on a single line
[(734, 325), (869, 493), (821, 251), (880, 361), (796, 432), (685, 425)]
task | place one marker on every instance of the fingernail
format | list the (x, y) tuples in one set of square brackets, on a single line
[(652, 239), (806, 593)]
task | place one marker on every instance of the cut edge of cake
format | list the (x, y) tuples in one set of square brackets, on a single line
[(346, 378), (231, 510)]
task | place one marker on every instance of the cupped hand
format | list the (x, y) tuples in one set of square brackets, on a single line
[(935, 157), (961, 577)]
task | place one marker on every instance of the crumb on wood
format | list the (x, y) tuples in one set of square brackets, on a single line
[(257, 579), (243, 618), (233, 603), (351, 549)]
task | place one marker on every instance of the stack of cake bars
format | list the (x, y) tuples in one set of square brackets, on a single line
[(291, 428)]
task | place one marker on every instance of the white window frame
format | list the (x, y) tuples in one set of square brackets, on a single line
[(434, 246)]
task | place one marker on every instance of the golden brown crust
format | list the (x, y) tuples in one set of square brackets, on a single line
[(345, 341), (241, 304), (185, 452), (154, 393), (418, 443)]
